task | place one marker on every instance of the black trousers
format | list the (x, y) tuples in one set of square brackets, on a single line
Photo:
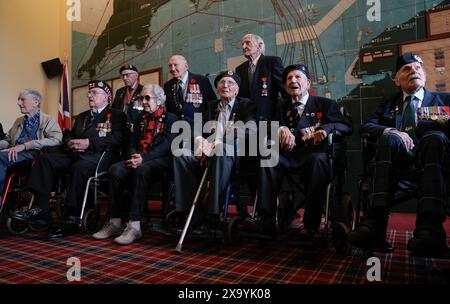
[(431, 160), (315, 170), (187, 177), (58, 163), (136, 182)]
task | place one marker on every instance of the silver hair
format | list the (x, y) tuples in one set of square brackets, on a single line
[(33, 94), (183, 59), (258, 40), (156, 91)]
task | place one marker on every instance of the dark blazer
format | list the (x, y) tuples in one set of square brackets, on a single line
[(186, 110), (133, 115), (160, 145), (319, 111), (113, 141), (389, 115), (269, 70)]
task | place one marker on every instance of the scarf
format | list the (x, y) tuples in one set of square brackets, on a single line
[(152, 125)]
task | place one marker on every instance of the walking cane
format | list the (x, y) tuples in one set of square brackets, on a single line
[(188, 221)]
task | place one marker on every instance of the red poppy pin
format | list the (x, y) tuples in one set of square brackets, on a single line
[(263, 79), (192, 81), (108, 116), (319, 115)]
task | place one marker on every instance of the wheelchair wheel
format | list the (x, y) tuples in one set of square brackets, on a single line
[(92, 221), (339, 238), (233, 233), (16, 227), (286, 211), (343, 226)]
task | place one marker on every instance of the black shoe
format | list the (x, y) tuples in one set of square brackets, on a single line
[(306, 235), (428, 242), (33, 214), (63, 232), (259, 225)]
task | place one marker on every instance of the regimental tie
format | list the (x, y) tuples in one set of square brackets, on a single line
[(251, 73), (409, 119), (180, 95)]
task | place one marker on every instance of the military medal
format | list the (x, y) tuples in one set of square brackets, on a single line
[(264, 91)]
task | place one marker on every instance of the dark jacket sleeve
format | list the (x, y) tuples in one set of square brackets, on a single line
[(335, 120), (162, 148), (277, 70), (376, 123), (115, 139)]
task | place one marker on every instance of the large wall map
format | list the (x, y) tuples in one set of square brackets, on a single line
[(353, 57)]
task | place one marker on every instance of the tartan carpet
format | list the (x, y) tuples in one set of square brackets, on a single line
[(32, 259)]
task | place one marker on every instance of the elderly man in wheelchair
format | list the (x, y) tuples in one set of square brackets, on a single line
[(412, 132), (94, 131), (28, 135), (306, 122)]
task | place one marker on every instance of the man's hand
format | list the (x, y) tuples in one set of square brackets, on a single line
[(203, 147), (287, 139), (135, 161), (13, 152), (78, 145), (319, 136), (406, 139)]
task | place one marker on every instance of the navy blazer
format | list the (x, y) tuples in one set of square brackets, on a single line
[(319, 111), (133, 115), (269, 71), (113, 141), (187, 110), (160, 145), (389, 115)]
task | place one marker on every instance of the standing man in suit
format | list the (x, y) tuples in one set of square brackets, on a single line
[(187, 93), (412, 130), (126, 98), (94, 131), (226, 112), (260, 76), (305, 122)]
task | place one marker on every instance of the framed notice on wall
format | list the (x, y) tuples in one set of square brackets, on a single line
[(436, 58), (438, 23), (79, 94)]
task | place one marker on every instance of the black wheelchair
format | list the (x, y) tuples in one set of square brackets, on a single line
[(17, 198), (338, 210), (406, 189)]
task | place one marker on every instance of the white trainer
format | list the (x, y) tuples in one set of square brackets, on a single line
[(109, 230), (128, 236)]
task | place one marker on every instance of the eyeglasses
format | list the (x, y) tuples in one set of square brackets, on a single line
[(95, 93), (147, 98)]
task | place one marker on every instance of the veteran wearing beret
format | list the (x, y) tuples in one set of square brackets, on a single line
[(216, 149), (94, 131), (126, 98), (305, 122), (412, 131)]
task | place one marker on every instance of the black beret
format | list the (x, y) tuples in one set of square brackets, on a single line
[(227, 74), (294, 67), (407, 58), (128, 67), (101, 85)]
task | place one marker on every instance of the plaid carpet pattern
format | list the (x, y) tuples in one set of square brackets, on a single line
[(32, 259)]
